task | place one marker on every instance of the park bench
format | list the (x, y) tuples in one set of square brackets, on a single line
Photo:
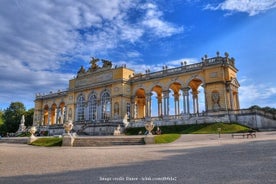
[(251, 133)]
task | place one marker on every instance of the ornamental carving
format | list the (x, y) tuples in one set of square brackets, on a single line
[(215, 100)]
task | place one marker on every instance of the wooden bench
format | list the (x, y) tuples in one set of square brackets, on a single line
[(250, 133), (238, 135)]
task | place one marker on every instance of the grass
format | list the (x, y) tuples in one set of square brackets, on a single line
[(225, 128), (48, 141), (194, 129), (165, 138)]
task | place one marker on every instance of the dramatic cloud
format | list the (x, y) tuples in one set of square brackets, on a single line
[(40, 41), (252, 7), (256, 94)]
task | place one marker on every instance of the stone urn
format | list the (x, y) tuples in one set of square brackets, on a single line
[(149, 127), (68, 126), (32, 131)]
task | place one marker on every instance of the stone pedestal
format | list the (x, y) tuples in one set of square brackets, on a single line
[(149, 139), (67, 140), (32, 138)]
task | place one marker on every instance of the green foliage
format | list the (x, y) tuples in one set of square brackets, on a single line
[(48, 141), (266, 109), (166, 138), (29, 117), (24, 134), (2, 125), (12, 116), (193, 129), (1, 118)]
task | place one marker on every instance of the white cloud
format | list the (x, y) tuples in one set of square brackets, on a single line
[(256, 94), (153, 20), (38, 38), (252, 7)]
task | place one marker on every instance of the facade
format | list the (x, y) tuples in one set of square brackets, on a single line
[(101, 97)]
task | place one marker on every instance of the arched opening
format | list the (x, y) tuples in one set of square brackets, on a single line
[(53, 114), (175, 99), (46, 115), (140, 102), (156, 101), (197, 102)]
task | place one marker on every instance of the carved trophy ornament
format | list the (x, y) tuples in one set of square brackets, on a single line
[(215, 99)]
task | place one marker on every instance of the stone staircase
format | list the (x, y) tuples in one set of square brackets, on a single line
[(14, 140), (94, 141)]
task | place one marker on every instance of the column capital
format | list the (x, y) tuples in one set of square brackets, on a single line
[(149, 94), (166, 93)]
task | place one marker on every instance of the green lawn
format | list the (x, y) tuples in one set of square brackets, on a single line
[(194, 129), (48, 141), (165, 138)]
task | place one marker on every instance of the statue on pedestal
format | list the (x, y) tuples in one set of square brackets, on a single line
[(93, 62), (22, 126)]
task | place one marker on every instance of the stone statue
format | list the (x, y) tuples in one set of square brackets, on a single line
[(117, 131), (81, 70), (106, 63), (93, 62), (22, 126)]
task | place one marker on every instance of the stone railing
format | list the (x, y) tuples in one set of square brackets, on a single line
[(185, 68), (51, 94)]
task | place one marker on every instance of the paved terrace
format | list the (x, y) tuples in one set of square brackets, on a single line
[(191, 159)]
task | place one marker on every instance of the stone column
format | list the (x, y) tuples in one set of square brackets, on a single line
[(148, 105), (186, 107), (63, 115), (231, 97), (195, 101), (58, 115), (49, 116), (166, 102), (176, 103), (132, 107), (159, 101)]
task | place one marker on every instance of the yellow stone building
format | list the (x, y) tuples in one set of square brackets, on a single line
[(101, 97)]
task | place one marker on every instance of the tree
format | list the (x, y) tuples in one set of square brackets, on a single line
[(29, 117), (2, 125), (12, 116)]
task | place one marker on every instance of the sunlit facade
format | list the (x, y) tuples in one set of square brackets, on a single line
[(106, 94)]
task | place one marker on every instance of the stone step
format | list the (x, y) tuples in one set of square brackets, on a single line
[(14, 140), (107, 141)]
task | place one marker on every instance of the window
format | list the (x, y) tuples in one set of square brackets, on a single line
[(128, 110), (106, 105), (80, 108), (92, 107)]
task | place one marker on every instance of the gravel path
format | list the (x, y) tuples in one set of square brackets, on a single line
[(191, 159)]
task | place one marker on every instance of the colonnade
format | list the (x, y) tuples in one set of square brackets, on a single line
[(163, 103), (54, 115)]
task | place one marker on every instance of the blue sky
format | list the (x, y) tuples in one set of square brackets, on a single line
[(43, 43)]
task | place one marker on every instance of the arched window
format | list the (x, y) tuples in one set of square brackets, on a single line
[(106, 105), (80, 108), (92, 107)]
